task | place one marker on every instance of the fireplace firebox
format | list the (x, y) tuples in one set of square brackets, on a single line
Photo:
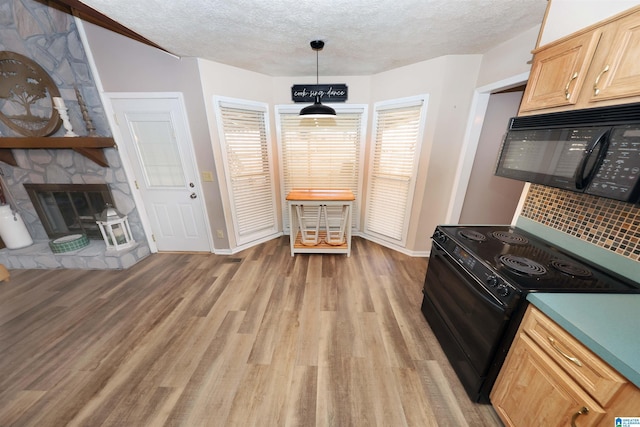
[(67, 209)]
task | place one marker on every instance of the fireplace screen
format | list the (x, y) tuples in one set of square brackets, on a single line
[(69, 208)]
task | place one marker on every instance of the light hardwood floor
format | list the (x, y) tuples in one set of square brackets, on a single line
[(255, 339)]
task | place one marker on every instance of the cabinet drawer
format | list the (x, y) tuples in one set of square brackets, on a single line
[(594, 375), (533, 391)]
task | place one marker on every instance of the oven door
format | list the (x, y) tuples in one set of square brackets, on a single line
[(466, 319)]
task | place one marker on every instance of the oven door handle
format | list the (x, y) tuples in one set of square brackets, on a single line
[(486, 296)]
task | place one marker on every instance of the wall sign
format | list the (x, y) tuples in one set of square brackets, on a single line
[(328, 93)]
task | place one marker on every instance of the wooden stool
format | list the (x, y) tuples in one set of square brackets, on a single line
[(4, 274)]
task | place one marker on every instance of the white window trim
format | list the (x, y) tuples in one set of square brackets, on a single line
[(222, 167), (363, 109), (389, 105)]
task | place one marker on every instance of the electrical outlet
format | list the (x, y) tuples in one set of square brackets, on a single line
[(207, 176), (220, 234)]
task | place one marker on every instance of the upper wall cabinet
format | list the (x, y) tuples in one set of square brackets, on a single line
[(559, 71), (595, 67), (618, 76)]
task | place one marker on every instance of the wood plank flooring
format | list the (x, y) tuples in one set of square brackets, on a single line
[(255, 339)]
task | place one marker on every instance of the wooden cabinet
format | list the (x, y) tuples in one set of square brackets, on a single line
[(595, 67), (558, 72), (551, 379), (618, 75)]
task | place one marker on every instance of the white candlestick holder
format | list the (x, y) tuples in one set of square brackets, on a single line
[(62, 111)]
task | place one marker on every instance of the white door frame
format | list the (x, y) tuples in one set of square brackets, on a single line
[(475, 122), (128, 168)]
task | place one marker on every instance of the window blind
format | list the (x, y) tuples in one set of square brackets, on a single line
[(394, 159), (249, 173), (321, 153)]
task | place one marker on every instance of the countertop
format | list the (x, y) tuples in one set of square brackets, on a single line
[(320, 194), (608, 324)]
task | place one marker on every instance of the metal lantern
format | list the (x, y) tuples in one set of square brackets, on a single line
[(115, 230)]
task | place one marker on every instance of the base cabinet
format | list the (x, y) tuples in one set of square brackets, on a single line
[(540, 393), (550, 379)]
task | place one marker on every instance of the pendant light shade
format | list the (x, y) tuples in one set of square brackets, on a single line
[(317, 110)]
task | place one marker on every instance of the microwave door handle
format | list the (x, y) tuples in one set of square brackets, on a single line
[(582, 179)]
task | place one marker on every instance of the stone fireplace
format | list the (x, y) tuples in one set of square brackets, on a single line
[(29, 26), (65, 209), (68, 207)]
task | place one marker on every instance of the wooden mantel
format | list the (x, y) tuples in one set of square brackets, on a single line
[(89, 146)]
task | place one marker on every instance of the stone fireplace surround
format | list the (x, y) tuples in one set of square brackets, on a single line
[(65, 166), (50, 38), (65, 209)]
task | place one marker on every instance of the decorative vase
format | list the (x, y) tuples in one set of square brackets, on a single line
[(13, 232)]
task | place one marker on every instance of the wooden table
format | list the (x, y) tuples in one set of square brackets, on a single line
[(320, 220)]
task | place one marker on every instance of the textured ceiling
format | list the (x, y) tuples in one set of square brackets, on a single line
[(362, 37)]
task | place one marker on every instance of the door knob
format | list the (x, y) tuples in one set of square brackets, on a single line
[(193, 195)]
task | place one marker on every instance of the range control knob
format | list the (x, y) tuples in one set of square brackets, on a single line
[(493, 281), (503, 290), (440, 236)]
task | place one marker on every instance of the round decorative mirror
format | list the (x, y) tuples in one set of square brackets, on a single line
[(26, 96)]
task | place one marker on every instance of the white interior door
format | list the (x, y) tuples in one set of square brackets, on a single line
[(159, 148)]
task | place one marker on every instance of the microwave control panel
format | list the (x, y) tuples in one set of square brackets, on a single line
[(619, 175)]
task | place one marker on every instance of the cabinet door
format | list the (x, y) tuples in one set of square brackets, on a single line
[(558, 72), (619, 75), (532, 390)]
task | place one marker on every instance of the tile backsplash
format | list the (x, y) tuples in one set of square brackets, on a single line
[(610, 224)]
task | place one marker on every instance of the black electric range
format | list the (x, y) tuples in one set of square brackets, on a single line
[(476, 286), (528, 263)]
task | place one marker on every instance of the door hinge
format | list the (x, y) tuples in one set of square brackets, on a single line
[(153, 237), (115, 119), (137, 186)]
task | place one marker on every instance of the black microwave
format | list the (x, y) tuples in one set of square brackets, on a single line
[(595, 151)]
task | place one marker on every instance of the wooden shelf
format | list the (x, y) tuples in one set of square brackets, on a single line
[(89, 146)]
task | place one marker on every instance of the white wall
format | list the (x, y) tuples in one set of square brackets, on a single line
[(224, 80), (125, 65), (450, 81), (508, 59), (568, 16), (492, 199)]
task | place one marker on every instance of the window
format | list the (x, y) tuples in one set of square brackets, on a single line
[(398, 128), (248, 171), (321, 153)]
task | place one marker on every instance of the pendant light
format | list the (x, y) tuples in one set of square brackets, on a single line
[(317, 110)]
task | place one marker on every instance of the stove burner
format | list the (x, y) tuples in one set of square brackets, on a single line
[(522, 265), (570, 268), (510, 238), (472, 235)]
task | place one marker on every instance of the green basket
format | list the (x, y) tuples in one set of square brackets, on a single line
[(69, 243)]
